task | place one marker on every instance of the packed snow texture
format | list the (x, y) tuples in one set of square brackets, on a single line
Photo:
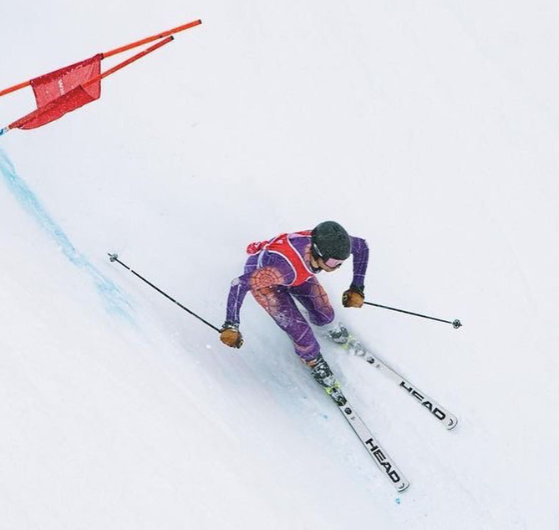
[(429, 128)]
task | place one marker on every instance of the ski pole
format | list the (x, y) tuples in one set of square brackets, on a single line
[(455, 323), (114, 257)]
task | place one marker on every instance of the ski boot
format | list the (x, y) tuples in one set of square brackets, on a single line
[(340, 335), (323, 375)]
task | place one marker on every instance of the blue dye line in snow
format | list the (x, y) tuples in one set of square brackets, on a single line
[(112, 297)]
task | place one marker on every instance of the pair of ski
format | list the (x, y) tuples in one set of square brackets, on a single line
[(371, 444)]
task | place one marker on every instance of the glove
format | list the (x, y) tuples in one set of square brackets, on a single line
[(354, 296), (230, 335)]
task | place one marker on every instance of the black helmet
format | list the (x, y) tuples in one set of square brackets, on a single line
[(330, 240)]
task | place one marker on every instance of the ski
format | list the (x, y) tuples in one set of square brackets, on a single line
[(371, 444), (350, 343)]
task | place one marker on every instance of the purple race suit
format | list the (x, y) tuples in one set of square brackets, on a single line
[(276, 281)]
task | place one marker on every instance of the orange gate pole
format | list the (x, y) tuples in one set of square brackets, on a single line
[(14, 88), (128, 61), (119, 50), (152, 38)]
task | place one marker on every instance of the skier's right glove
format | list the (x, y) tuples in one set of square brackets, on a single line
[(230, 335)]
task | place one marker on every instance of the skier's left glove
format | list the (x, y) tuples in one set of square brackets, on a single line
[(230, 335), (354, 296)]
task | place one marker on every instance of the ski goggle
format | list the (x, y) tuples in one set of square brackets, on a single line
[(333, 263)]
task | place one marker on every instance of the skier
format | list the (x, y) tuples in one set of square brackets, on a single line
[(282, 270)]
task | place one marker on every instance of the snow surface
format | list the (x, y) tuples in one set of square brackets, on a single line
[(429, 128)]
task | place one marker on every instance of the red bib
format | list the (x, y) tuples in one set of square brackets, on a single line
[(282, 245)]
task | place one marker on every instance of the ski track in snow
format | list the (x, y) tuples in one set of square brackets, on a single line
[(111, 295)]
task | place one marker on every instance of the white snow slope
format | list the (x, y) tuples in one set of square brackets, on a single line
[(429, 128)]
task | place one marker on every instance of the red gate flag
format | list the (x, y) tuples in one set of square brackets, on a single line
[(72, 87), (62, 91)]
